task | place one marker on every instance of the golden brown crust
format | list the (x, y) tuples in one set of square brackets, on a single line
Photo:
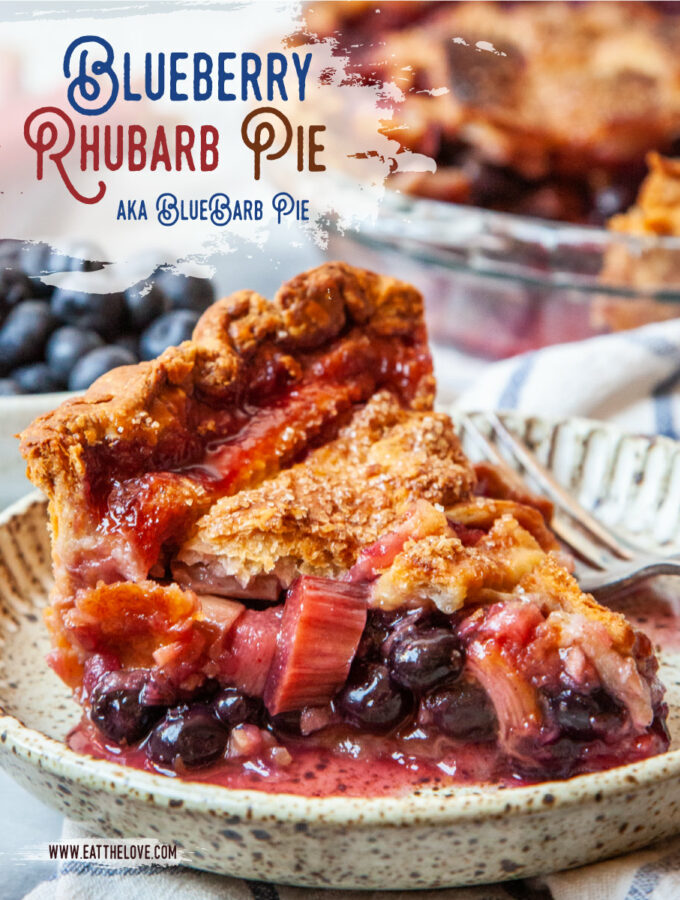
[(482, 512), (159, 415), (439, 569), (551, 583), (174, 393), (319, 513)]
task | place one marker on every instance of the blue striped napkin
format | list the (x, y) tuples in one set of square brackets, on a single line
[(631, 378)]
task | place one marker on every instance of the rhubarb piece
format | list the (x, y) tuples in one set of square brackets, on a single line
[(515, 700), (322, 625), (419, 520), (249, 650), (209, 577), (219, 617)]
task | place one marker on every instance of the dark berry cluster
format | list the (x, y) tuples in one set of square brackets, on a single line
[(191, 730), (413, 664), (54, 339)]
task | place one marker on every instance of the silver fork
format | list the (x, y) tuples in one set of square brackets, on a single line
[(608, 564)]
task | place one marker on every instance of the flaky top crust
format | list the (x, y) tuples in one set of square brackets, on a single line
[(156, 413), (343, 496)]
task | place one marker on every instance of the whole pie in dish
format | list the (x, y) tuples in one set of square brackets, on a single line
[(275, 567), (537, 108)]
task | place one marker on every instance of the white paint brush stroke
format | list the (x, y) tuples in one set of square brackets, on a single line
[(30, 210)]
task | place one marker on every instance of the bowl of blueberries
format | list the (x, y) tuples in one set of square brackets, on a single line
[(54, 339)]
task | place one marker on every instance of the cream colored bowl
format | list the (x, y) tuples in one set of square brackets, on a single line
[(430, 839)]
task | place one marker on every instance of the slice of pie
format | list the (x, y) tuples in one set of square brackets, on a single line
[(266, 543)]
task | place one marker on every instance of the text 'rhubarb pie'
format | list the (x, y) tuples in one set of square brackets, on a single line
[(275, 567)]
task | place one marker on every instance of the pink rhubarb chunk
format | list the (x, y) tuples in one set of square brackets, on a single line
[(323, 621), (418, 520), (249, 648)]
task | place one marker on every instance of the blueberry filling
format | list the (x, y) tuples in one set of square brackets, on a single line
[(421, 662), (372, 701), (190, 735), (234, 708), (586, 716), (462, 711), (410, 671), (117, 708)]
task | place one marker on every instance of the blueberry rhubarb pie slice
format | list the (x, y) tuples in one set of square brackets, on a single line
[(276, 568)]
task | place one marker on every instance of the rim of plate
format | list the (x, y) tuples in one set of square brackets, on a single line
[(447, 805)]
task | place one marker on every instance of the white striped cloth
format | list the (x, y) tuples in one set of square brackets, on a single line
[(631, 378)]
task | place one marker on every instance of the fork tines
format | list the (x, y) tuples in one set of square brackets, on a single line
[(591, 541)]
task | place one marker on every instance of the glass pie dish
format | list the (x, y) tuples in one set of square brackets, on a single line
[(497, 284)]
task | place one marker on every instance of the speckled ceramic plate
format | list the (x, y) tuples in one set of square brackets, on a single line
[(448, 837)]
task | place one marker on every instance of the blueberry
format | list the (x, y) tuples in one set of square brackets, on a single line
[(115, 706), (287, 724), (144, 304), (9, 253), (371, 701), (376, 632), (420, 662), (97, 363), (24, 333), (103, 313), (167, 331), (34, 258), (185, 291), (14, 287), (129, 342), (9, 387), (187, 734), (586, 716), (37, 378), (461, 711), (234, 708), (67, 345)]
